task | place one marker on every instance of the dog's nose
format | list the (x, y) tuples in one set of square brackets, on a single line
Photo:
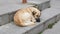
[(38, 20)]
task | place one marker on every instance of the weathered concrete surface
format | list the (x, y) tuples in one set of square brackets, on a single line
[(54, 30), (47, 14), (7, 12), (9, 7), (42, 4)]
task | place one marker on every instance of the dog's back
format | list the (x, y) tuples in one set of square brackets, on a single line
[(25, 17)]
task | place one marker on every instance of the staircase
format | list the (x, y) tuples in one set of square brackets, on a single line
[(49, 15)]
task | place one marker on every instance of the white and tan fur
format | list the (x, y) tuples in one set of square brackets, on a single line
[(26, 16)]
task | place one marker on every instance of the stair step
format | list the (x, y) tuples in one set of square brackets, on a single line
[(48, 16), (54, 30), (7, 11), (42, 4)]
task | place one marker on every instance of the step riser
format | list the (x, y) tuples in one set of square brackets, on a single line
[(50, 21), (6, 18), (35, 30), (44, 5), (11, 15), (58, 17)]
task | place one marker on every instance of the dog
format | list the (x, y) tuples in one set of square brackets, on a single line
[(26, 16)]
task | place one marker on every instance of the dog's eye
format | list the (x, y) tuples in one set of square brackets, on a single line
[(33, 12)]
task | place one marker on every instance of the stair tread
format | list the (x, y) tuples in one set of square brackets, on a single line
[(49, 13), (13, 29), (8, 6), (37, 1), (12, 8)]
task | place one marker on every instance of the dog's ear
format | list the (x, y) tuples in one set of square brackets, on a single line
[(33, 12)]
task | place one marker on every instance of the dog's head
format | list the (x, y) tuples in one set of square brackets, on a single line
[(36, 13)]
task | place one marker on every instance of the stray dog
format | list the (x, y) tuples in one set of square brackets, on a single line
[(26, 16)]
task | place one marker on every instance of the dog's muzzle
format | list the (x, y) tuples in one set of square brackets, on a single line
[(38, 20)]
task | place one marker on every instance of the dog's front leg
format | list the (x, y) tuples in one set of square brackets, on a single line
[(33, 19)]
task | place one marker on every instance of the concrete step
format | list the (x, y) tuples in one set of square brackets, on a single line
[(48, 16), (54, 30), (7, 12), (9, 7), (42, 4)]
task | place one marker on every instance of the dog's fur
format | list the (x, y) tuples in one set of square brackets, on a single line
[(26, 16)]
